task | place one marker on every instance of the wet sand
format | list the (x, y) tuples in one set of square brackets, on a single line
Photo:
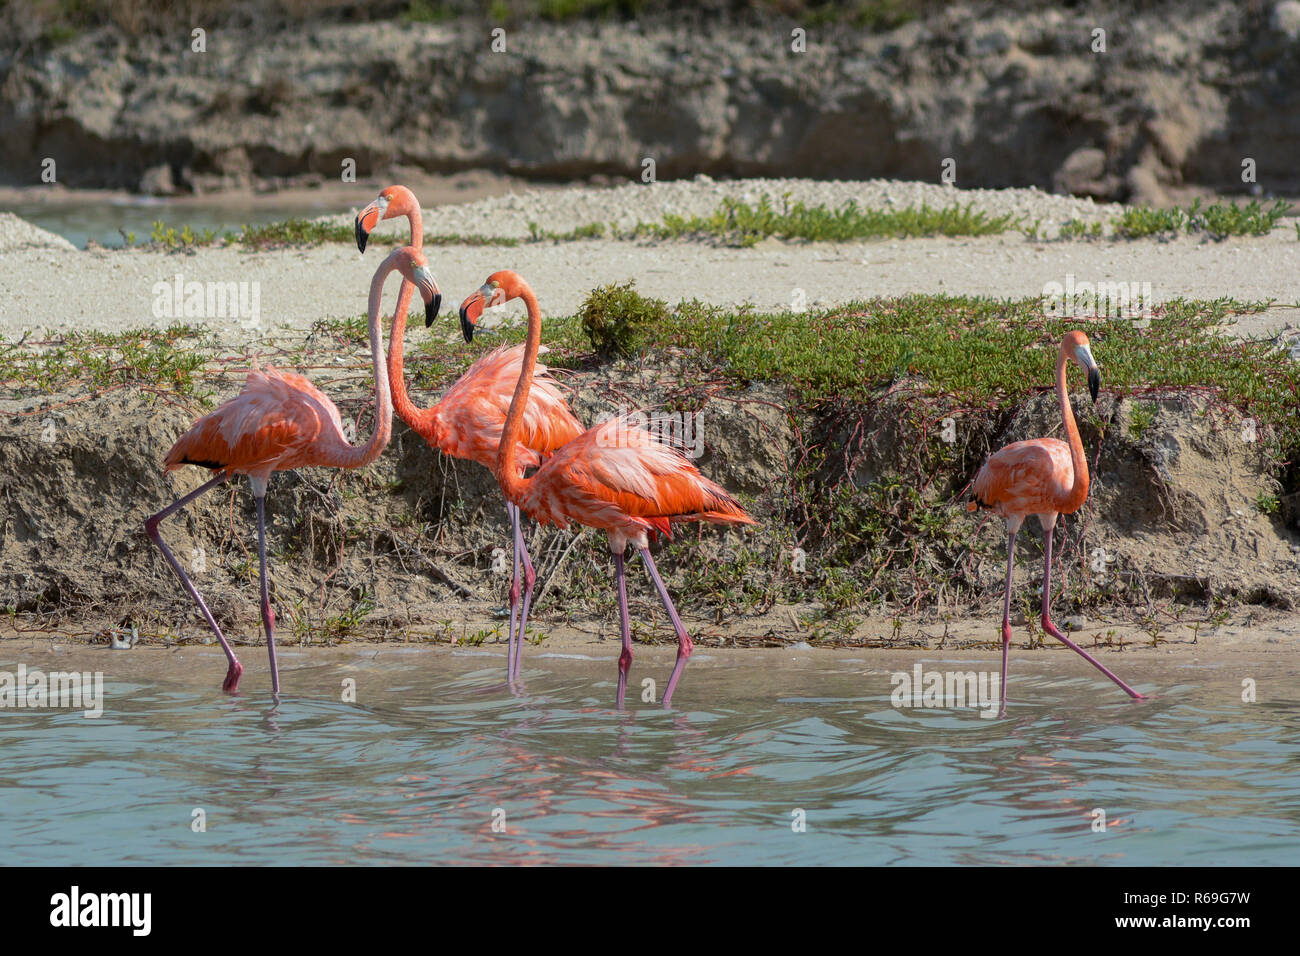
[(1255, 645)]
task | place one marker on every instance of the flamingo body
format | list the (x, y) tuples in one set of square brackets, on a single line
[(279, 421), (617, 477), (467, 421), (1045, 477), (1034, 477), (625, 481)]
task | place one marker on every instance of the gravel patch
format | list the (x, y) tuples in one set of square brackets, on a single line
[(562, 210), (112, 290), (18, 233)]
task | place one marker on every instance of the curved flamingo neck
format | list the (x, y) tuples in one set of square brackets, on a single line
[(1079, 490), (509, 474), (408, 411), (417, 224), (356, 456), (418, 418)]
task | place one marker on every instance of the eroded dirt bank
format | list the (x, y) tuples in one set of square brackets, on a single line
[(1172, 544)]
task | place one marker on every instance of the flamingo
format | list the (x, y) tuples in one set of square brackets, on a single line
[(278, 422), (1044, 477), (466, 423), (617, 477)]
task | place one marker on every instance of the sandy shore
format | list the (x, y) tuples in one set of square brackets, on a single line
[(53, 288), (1258, 648)]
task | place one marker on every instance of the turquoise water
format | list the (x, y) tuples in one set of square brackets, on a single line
[(415, 770), (101, 219)]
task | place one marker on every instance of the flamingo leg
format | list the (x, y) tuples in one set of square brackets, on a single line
[(513, 511), (268, 616), (1050, 628), (530, 579), (1006, 617), (625, 628), (684, 644), (235, 669)]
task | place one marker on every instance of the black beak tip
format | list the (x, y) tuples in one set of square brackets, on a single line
[(466, 326), (431, 310), (362, 236), (1094, 382)]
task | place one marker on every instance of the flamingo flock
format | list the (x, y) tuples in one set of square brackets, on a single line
[(508, 413)]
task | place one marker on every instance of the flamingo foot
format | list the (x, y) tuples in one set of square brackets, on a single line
[(231, 684), (624, 665), (1051, 629), (685, 648)]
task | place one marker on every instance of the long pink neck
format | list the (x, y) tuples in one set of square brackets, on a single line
[(509, 474), (354, 456), (418, 418), (1079, 491)]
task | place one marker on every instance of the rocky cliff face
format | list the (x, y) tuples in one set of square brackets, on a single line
[(1184, 94)]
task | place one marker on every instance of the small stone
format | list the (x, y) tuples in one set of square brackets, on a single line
[(157, 181), (1080, 170), (1286, 18), (1075, 622)]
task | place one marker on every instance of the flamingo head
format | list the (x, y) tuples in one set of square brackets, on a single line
[(392, 202), (415, 270), (1075, 346), (500, 288)]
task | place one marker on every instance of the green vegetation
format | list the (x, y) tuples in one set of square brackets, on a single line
[(872, 491), (306, 232), (166, 359), (1077, 229), (617, 319), (1141, 417), (741, 224), (1218, 220)]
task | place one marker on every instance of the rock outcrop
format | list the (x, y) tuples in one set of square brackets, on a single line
[(1120, 105)]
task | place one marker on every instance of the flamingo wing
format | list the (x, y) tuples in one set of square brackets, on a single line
[(471, 415), (1026, 477), (271, 424), (618, 473)]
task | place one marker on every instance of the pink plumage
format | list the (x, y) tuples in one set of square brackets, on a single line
[(1044, 477)]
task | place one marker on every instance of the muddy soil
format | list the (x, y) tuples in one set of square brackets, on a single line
[(1171, 541)]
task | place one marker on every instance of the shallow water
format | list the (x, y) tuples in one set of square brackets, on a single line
[(105, 220), (414, 771)]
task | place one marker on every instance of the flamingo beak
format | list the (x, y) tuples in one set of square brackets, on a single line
[(1094, 381), (367, 219), (470, 310), (430, 293)]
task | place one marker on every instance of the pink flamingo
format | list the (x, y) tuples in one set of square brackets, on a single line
[(617, 477), (1044, 477), (466, 423), (278, 422)]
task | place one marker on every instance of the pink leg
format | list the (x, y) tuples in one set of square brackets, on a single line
[(268, 616), (1006, 618), (530, 579), (625, 628), (235, 669), (684, 644), (1050, 628), (514, 593)]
